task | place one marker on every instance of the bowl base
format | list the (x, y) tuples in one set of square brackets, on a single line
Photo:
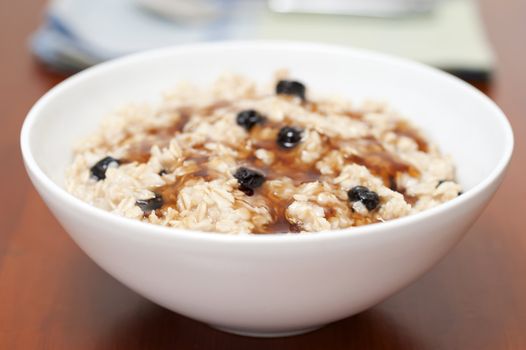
[(257, 334)]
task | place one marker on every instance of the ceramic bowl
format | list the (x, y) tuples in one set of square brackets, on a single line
[(275, 284)]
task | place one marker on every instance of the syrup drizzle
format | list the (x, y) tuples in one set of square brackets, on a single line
[(287, 162)]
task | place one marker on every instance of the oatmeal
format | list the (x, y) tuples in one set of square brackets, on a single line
[(242, 159)]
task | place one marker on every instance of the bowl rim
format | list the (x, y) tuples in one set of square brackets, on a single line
[(162, 231)]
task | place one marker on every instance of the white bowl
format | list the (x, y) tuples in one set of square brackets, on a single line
[(270, 285)]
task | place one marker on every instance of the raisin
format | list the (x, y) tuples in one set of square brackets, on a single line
[(291, 88), (98, 171), (249, 180), (362, 194), (288, 137), (151, 204), (249, 118)]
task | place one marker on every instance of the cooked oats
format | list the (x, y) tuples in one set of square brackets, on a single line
[(173, 164)]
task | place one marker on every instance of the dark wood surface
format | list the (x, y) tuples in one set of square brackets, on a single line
[(53, 297)]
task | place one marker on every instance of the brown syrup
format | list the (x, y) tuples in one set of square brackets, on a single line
[(329, 212), (407, 197), (404, 129), (287, 163), (277, 207), (170, 192), (311, 106), (139, 153), (201, 168), (360, 220), (281, 225), (377, 159), (161, 136)]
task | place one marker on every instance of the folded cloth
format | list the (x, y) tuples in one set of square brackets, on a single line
[(57, 48), (79, 33)]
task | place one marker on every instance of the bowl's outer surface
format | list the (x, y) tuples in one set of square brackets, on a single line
[(276, 283)]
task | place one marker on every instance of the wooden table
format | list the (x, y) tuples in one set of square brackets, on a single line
[(53, 296)]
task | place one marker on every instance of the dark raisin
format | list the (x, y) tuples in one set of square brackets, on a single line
[(148, 205), (162, 172), (248, 191), (291, 87), (249, 180), (362, 194), (460, 193), (249, 118), (98, 171), (288, 137), (354, 193)]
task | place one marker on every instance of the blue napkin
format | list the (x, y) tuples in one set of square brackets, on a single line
[(80, 33), (77, 34)]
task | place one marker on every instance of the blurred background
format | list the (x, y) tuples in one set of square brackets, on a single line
[(444, 33)]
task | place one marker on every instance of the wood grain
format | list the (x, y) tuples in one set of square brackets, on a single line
[(53, 297)]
